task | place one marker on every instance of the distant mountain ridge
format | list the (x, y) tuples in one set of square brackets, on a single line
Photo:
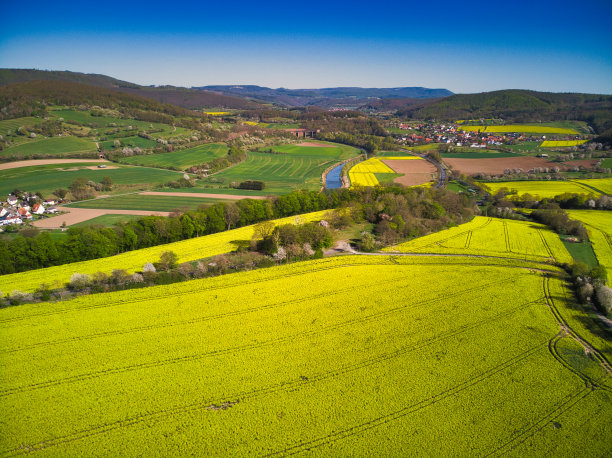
[(324, 97)]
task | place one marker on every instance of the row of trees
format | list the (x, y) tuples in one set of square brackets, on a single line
[(411, 211)]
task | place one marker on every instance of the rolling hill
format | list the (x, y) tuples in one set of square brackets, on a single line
[(515, 105), (183, 97)]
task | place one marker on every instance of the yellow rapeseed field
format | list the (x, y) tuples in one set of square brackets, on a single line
[(520, 128), (362, 174), (542, 189), (133, 261), (602, 184), (492, 237), (599, 226), (445, 356), (561, 143)]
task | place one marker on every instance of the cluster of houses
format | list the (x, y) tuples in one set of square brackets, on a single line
[(422, 133), (19, 211)]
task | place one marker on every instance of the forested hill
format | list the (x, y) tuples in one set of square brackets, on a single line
[(516, 105), (186, 98), (31, 99), (325, 97)]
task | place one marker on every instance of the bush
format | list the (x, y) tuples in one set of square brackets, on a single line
[(79, 282), (604, 299)]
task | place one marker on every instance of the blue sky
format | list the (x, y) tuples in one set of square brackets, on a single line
[(462, 46)]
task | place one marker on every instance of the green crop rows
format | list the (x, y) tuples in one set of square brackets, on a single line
[(180, 159), (299, 167), (50, 146), (46, 178)]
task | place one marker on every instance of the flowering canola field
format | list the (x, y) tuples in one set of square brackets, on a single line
[(492, 237), (133, 261), (604, 185), (333, 357), (520, 128), (599, 226), (543, 189), (561, 143)]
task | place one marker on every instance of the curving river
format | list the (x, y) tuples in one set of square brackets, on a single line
[(333, 179)]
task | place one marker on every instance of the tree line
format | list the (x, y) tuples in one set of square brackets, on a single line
[(396, 211)]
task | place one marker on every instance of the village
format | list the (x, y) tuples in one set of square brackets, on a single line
[(451, 134), (22, 208)]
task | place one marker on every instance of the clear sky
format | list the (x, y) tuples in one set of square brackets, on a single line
[(473, 46)]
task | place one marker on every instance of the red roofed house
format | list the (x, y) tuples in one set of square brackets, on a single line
[(24, 213), (38, 209)]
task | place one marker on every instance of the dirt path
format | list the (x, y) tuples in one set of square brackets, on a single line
[(15, 165), (78, 215), (201, 194)]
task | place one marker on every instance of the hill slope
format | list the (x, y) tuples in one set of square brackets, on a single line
[(515, 105), (187, 98)]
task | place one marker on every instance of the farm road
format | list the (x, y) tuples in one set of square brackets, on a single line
[(201, 194), (18, 164), (78, 215)]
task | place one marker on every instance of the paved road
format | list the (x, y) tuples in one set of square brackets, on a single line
[(440, 167)]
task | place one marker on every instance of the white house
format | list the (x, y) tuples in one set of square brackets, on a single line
[(38, 209), (12, 200)]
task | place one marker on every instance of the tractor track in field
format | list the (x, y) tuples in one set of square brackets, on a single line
[(198, 356), (8, 321), (296, 384), (590, 384), (194, 320), (530, 430), (567, 330), (407, 410)]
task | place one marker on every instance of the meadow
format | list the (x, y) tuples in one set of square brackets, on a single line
[(492, 237), (145, 202), (47, 178), (297, 167), (333, 357), (522, 128), (53, 146), (99, 122), (542, 189), (11, 125), (180, 159), (599, 226), (133, 261), (133, 141)]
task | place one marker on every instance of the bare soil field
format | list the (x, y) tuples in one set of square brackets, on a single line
[(415, 172), (496, 166), (17, 164), (78, 215), (201, 194), (315, 144)]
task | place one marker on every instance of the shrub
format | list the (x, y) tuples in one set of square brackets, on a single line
[(604, 299), (79, 282)]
